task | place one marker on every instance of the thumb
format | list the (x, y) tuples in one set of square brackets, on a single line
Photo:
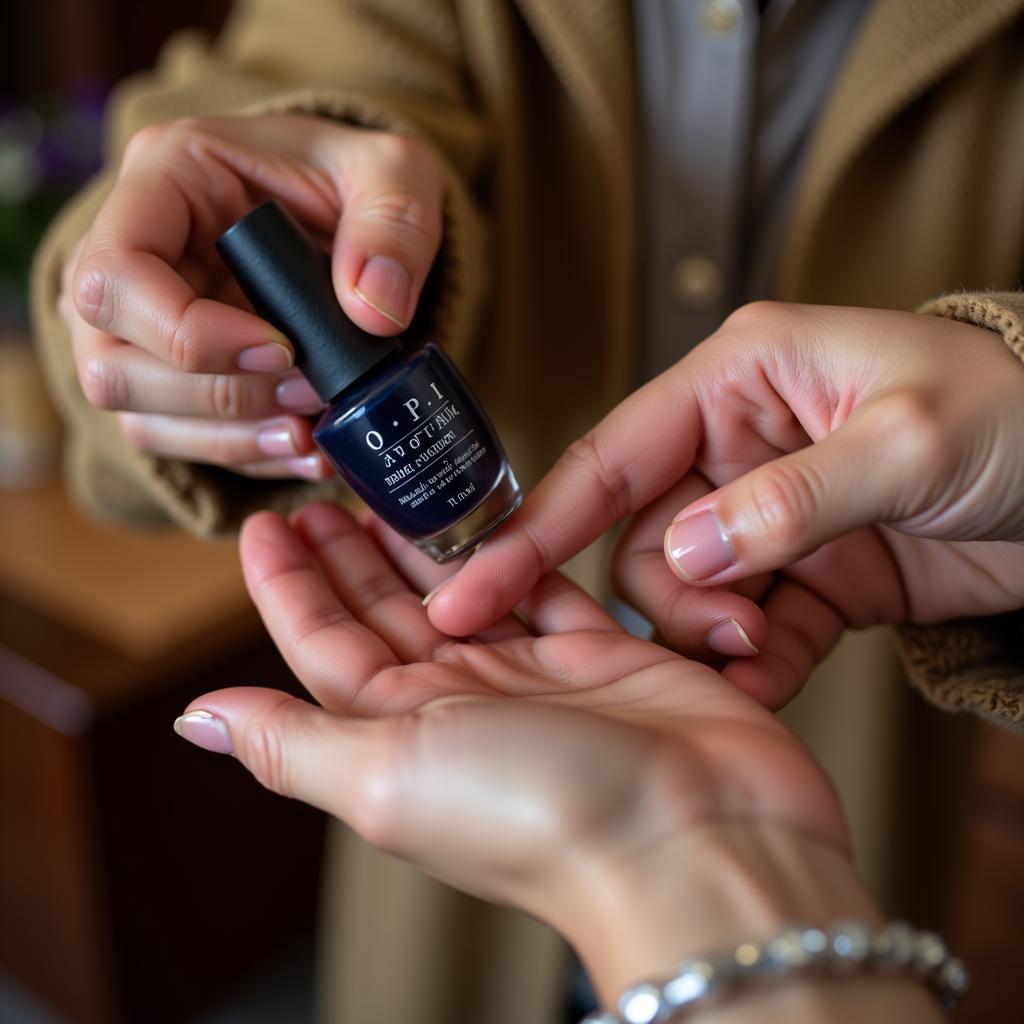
[(388, 236), (785, 509), (299, 750)]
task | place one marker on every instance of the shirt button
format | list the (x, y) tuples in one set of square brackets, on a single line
[(723, 17), (696, 281)]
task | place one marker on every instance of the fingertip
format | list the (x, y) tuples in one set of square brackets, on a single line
[(698, 548), (90, 293), (463, 608), (320, 521), (370, 319), (255, 524), (205, 730), (295, 394), (264, 729), (267, 544), (312, 467), (370, 521), (286, 436), (733, 639), (260, 518), (275, 356), (491, 583), (431, 594), (209, 721), (386, 287), (462, 605), (447, 611), (369, 300)]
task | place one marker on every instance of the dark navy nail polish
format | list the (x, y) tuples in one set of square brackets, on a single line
[(402, 426)]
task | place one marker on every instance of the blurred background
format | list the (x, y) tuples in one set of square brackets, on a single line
[(144, 881), (138, 880)]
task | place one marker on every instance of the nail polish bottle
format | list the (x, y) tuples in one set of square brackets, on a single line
[(402, 426)]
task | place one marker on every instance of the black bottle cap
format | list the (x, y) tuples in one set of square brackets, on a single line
[(287, 278)]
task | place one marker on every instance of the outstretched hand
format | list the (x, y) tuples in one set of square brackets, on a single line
[(517, 765), (805, 470)]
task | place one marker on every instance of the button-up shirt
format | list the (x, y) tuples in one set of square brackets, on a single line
[(730, 96)]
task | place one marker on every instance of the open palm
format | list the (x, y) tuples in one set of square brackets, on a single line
[(488, 761)]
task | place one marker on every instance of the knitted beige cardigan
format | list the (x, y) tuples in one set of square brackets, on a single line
[(912, 190)]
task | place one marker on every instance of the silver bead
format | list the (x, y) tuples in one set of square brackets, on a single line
[(953, 980), (893, 947), (795, 949), (929, 952), (748, 958), (815, 941), (785, 952), (847, 946), (850, 943), (695, 980), (641, 1004)]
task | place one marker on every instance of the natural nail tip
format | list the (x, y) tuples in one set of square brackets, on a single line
[(270, 357), (679, 570), (309, 467), (380, 309), (205, 730), (297, 395), (191, 716), (731, 639), (676, 553), (433, 593), (745, 638), (277, 442), (385, 285)]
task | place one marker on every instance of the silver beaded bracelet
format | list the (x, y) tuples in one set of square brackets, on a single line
[(845, 948)]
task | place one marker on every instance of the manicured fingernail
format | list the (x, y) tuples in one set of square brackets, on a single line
[(437, 590), (310, 467), (204, 730), (385, 285), (699, 547), (276, 441), (297, 394), (270, 358), (731, 638)]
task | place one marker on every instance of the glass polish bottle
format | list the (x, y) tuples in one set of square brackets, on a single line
[(402, 426)]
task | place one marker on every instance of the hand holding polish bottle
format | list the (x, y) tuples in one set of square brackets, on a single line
[(161, 334), (401, 425)]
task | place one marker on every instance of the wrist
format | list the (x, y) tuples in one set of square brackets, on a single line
[(707, 889), (714, 887)]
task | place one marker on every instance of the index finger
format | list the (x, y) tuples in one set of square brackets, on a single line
[(125, 283), (332, 653), (636, 452)]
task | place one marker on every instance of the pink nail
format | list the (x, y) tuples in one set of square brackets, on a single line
[(204, 730), (699, 547), (276, 441), (385, 285), (271, 358), (312, 467), (297, 394), (731, 638)]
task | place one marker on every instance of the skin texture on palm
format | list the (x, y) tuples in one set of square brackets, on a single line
[(636, 801), (864, 465), (502, 762)]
